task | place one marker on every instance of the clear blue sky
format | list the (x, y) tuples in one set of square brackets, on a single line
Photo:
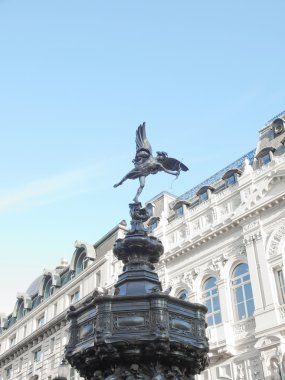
[(76, 79)]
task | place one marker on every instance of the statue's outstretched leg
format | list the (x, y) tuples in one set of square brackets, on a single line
[(120, 183), (140, 189)]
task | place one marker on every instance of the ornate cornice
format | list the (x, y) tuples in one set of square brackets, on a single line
[(213, 233)]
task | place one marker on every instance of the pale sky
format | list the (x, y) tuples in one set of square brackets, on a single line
[(78, 77)]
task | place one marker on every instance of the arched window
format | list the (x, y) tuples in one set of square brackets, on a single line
[(81, 263), (36, 301), (211, 300), (183, 294), (21, 310), (49, 288), (265, 155), (243, 297)]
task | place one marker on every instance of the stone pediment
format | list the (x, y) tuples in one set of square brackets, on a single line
[(267, 341)]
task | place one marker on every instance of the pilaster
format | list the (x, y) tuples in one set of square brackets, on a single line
[(265, 315)]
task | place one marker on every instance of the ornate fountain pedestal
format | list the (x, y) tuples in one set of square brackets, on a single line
[(140, 332)]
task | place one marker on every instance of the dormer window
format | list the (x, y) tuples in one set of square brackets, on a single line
[(180, 208), (204, 193), (21, 310), (179, 212), (265, 159), (278, 126), (265, 155), (231, 180), (48, 289), (85, 263), (81, 263), (230, 177), (204, 196)]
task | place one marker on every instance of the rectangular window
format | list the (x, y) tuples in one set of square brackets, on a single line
[(25, 331), (75, 297), (38, 355), (281, 286), (266, 159), (204, 196), (54, 311), (98, 278), (231, 180), (179, 212), (9, 373), (12, 341), (41, 321)]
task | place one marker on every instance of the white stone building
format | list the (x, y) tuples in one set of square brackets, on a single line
[(224, 246)]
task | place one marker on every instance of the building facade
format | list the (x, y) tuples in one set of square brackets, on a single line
[(224, 246)]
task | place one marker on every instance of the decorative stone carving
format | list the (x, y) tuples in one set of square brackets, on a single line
[(245, 328), (249, 239), (188, 280), (256, 369), (275, 369), (240, 372), (276, 239), (218, 263), (196, 225), (175, 280), (251, 226)]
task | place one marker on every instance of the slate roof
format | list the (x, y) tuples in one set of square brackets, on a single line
[(34, 287), (238, 164)]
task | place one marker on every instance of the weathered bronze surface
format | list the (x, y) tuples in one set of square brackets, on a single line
[(145, 163)]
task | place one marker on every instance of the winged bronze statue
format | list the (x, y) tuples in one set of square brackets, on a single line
[(145, 163)]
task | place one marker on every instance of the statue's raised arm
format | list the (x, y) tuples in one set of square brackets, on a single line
[(146, 164)]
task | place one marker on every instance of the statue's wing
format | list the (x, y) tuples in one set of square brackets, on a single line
[(173, 164), (141, 139)]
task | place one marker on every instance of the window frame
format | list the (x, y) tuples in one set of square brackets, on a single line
[(241, 283), (79, 262), (179, 212), (210, 298), (36, 358), (12, 341), (229, 182), (265, 158), (74, 297), (40, 321), (47, 288), (9, 374), (203, 197)]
